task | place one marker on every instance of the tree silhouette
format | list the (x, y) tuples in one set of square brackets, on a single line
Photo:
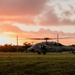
[(26, 45)]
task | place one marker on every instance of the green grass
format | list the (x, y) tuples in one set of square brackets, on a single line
[(34, 64)]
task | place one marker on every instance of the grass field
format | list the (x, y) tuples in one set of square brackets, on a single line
[(34, 64)]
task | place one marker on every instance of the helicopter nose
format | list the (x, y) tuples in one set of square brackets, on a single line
[(28, 49), (31, 50)]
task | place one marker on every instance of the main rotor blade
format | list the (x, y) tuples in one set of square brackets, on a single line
[(41, 38), (50, 38), (67, 38), (36, 38)]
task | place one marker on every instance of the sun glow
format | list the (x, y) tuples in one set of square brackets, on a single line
[(7, 40)]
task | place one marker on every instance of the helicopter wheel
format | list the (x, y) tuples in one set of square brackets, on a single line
[(44, 52), (39, 52)]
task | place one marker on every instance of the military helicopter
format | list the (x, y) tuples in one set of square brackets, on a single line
[(44, 47)]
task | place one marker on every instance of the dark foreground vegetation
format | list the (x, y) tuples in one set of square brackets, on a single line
[(15, 48), (33, 64)]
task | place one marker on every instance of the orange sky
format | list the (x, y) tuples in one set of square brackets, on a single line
[(36, 18)]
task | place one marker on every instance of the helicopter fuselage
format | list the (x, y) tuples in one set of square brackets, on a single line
[(50, 47)]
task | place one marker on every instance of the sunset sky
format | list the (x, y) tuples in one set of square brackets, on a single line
[(36, 18)]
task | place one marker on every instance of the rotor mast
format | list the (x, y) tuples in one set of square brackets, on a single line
[(46, 39), (57, 38)]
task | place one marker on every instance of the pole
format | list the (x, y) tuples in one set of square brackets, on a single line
[(17, 43), (57, 38)]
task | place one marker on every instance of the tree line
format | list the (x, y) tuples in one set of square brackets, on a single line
[(15, 48)]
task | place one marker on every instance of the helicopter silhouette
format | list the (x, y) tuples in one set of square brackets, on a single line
[(44, 47)]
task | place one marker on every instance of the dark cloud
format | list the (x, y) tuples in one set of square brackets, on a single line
[(67, 13), (53, 18), (21, 7), (50, 18)]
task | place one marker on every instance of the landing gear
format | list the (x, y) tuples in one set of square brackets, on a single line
[(43, 48), (39, 52), (44, 52)]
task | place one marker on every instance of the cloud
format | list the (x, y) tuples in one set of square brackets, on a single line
[(13, 31), (21, 7), (49, 33), (10, 28), (60, 13), (42, 33), (49, 18), (42, 12), (23, 11), (18, 19)]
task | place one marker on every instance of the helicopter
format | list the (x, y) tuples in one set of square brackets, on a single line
[(44, 47)]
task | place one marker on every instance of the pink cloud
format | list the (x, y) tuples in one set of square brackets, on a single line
[(21, 7), (42, 33), (27, 10), (19, 19), (10, 28)]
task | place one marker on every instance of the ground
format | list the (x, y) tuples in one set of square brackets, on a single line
[(34, 64)]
